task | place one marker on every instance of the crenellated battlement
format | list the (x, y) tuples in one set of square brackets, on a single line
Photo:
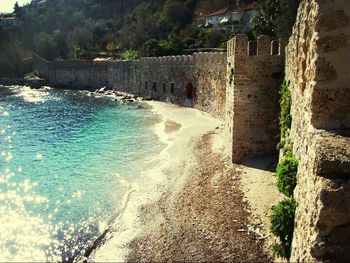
[(200, 57), (263, 46), (170, 60), (254, 71)]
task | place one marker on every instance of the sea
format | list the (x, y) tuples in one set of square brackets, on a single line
[(67, 160)]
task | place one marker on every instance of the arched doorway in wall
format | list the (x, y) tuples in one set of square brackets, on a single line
[(191, 93)]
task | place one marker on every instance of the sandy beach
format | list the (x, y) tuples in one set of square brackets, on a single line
[(191, 205)]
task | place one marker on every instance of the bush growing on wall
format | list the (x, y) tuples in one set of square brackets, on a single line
[(286, 175), (282, 217), (282, 225), (285, 118), (286, 103)]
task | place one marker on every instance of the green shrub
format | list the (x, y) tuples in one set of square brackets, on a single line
[(285, 103), (285, 119), (130, 54), (282, 225), (286, 175), (163, 47)]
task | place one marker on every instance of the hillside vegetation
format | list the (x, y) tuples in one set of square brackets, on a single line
[(119, 28)]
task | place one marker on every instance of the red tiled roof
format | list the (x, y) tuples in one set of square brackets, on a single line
[(219, 12), (227, 10)]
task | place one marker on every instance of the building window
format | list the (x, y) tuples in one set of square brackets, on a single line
[(154, 86), (146, 84), (164, 87), (172, 88)]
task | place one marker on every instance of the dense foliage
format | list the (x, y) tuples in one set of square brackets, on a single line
[(130, 54), (285, 118), (286, 175), (90, 28), (282, 225), (275, 18), (282, 218)]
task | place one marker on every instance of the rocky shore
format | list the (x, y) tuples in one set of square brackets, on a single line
[(208, 220), (117, 96), (200, 209)]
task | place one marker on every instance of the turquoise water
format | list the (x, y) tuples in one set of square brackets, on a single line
[(66, 161)]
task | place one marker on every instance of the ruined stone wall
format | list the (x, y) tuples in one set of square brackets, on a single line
[(318, 67), (254, 76), (197, 81)]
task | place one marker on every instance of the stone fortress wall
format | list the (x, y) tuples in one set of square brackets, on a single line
[(197, 80), (252, 109), (73, 73), (242, 86), (318, 67)]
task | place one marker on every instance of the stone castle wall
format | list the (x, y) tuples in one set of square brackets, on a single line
[(318, 67), (254, 75), (243, 86), (86, 74), (197, 81)]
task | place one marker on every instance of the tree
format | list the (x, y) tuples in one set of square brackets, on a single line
[(155, 48), (44, 45), (17, 10), (275, 18), (286, 19), (263, 23), (177, 14), (81, 37), (141, 27)]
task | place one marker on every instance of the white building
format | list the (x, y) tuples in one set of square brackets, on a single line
[(237, 19), (9, 22)]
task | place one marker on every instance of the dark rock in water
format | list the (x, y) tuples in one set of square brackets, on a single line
[(148, 98), (35, 85)]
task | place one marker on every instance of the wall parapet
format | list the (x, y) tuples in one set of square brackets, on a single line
[(252, 94), (263, 46)]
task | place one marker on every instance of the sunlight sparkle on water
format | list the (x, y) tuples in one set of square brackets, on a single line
[(53, 172), (39, 157), (22, 235)]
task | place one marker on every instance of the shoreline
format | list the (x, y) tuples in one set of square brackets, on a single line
[(177, 128), (153, 206), (202, 215), (200, 208)]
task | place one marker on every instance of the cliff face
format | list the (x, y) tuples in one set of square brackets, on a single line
[(318, 67)]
